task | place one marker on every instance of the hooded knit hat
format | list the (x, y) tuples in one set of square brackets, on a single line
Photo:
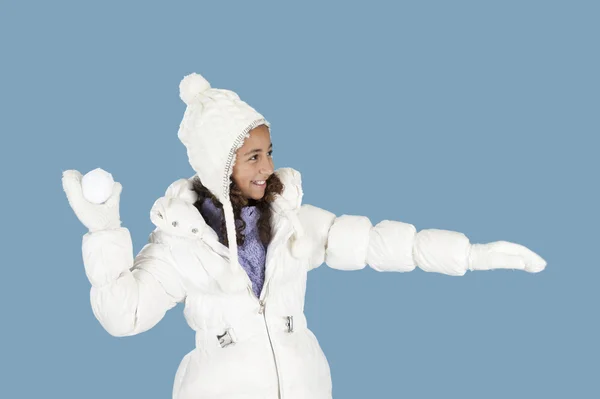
[(214, 126)]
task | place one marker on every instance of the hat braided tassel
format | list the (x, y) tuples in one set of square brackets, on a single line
[(238, 281)]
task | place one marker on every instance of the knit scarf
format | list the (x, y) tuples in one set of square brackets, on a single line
[(252, 253)]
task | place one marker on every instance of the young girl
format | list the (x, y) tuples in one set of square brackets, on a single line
[(235, 243)]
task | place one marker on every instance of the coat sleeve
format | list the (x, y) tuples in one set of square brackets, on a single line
[(350, 242), (129, 295)]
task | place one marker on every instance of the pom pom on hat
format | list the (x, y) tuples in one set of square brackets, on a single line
[(191, 85)]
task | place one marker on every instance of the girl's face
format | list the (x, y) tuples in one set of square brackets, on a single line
[(254, 163)]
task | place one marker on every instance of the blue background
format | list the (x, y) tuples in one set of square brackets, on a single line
[(477, 117)]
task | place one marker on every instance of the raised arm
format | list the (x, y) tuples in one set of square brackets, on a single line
[(128, 295), (351, 242)]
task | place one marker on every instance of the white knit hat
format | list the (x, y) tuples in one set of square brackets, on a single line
[(214, 126)]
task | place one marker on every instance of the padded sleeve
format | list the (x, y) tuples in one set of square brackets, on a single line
[(351, 242), (129, 295), (316, 223)]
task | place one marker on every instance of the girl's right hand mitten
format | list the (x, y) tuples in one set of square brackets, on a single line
[(94, 212)]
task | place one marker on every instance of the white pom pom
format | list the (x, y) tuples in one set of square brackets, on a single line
[(97, 186), (301, 247), (191, 85)]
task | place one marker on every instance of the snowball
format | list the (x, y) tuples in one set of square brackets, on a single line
[(97, 186)]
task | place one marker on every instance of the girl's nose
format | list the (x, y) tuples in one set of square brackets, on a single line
[(267, 171), (267, 167)]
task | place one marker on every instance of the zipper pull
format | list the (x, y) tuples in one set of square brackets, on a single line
[(262, 307)]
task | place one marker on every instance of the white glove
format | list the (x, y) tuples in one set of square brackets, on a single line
[(504, 255), (95, 217)]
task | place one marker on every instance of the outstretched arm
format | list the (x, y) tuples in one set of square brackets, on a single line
[(351, 242), (128, 295)]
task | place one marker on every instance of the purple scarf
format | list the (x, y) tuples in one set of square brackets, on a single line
[(252, 253)]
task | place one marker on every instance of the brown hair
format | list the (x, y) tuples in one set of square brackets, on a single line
[(274, 186)]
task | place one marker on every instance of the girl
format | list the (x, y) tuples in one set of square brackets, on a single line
[(235, 243)]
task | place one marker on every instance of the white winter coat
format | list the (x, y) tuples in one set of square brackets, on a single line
[(247, 347)]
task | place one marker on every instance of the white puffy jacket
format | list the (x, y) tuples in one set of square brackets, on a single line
[(247, 347)]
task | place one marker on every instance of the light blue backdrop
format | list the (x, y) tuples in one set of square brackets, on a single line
[(478, 117)]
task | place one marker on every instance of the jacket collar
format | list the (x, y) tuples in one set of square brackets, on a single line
[(176, 215)]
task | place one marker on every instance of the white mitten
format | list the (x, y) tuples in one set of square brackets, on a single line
[(94, 216), (504, 255), (291, 197)]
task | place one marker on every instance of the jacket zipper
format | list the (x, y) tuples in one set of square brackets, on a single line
[(261, 311), (279, 394)]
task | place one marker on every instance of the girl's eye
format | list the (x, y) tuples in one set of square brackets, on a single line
[(253, 157)]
